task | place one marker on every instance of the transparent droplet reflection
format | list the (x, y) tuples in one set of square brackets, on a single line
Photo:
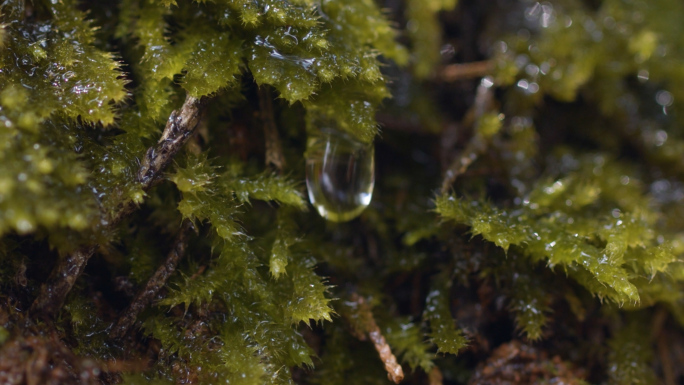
[(340, 174)]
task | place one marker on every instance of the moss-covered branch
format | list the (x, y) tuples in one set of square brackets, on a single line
[(154, 284), (179, 128)]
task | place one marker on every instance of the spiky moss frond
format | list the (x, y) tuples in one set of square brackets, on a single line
[(264, 311), (214, 63), (529, 303), (265, 187), (61, 69), (52, 75), (408, 343), (556, 222), (443, 331), (216, 197), (299, 49), (529, 290)]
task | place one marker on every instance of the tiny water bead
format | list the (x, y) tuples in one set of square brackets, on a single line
[(340, 174)]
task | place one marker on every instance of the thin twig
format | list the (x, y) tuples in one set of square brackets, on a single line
[(666, 359), (61, 280), (179, 128), (477, 144), (435, 376), (154, 284), (475, 147), (274, 150), (462, 71), (659, 334), (363, 323)]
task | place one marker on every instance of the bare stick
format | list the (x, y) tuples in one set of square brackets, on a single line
[(179, 128), (477, 144), (461, 163), (435, 376), (462, 71), (364, 323), (274, 150), (666, 359), (154, 284)]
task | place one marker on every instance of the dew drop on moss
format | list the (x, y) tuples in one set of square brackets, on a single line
[(340, 174)]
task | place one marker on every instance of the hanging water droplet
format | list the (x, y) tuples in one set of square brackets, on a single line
[(340, 174)]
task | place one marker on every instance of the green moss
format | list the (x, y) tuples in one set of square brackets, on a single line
[(425, 32), (408, 343), (41, 186), (61, 70), (557, 223), (630, 356), (443, 331), (345, 359), (578, 193)]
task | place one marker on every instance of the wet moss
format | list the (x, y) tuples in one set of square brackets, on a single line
[(563, 222)]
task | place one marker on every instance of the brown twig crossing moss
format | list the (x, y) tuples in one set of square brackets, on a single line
[(179, 128), (478, 143), (464, 71), (155, 283), (363, 324), (274, 150), (435, 376), (61, 280)]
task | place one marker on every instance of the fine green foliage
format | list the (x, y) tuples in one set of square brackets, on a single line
[(630, 356), (41, 185), (408, 343), (54, 68), (425, 33), (266, 187), (528, 289), (263, 335), (529, 303), (560, 222), (553, 224), (301, 50), (280, 252), (443, 332), (60, 69)]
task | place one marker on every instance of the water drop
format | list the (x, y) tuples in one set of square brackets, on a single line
[(340, 174)]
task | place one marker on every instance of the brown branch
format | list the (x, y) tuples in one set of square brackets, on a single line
[(477, 144), (663, 341), (460, 165), (435, 376), (179, 128), (462, 71), (154, 284), (274, 150), (363, 323), (666, 359)]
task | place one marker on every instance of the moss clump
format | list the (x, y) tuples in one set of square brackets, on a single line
[(145, 237)]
